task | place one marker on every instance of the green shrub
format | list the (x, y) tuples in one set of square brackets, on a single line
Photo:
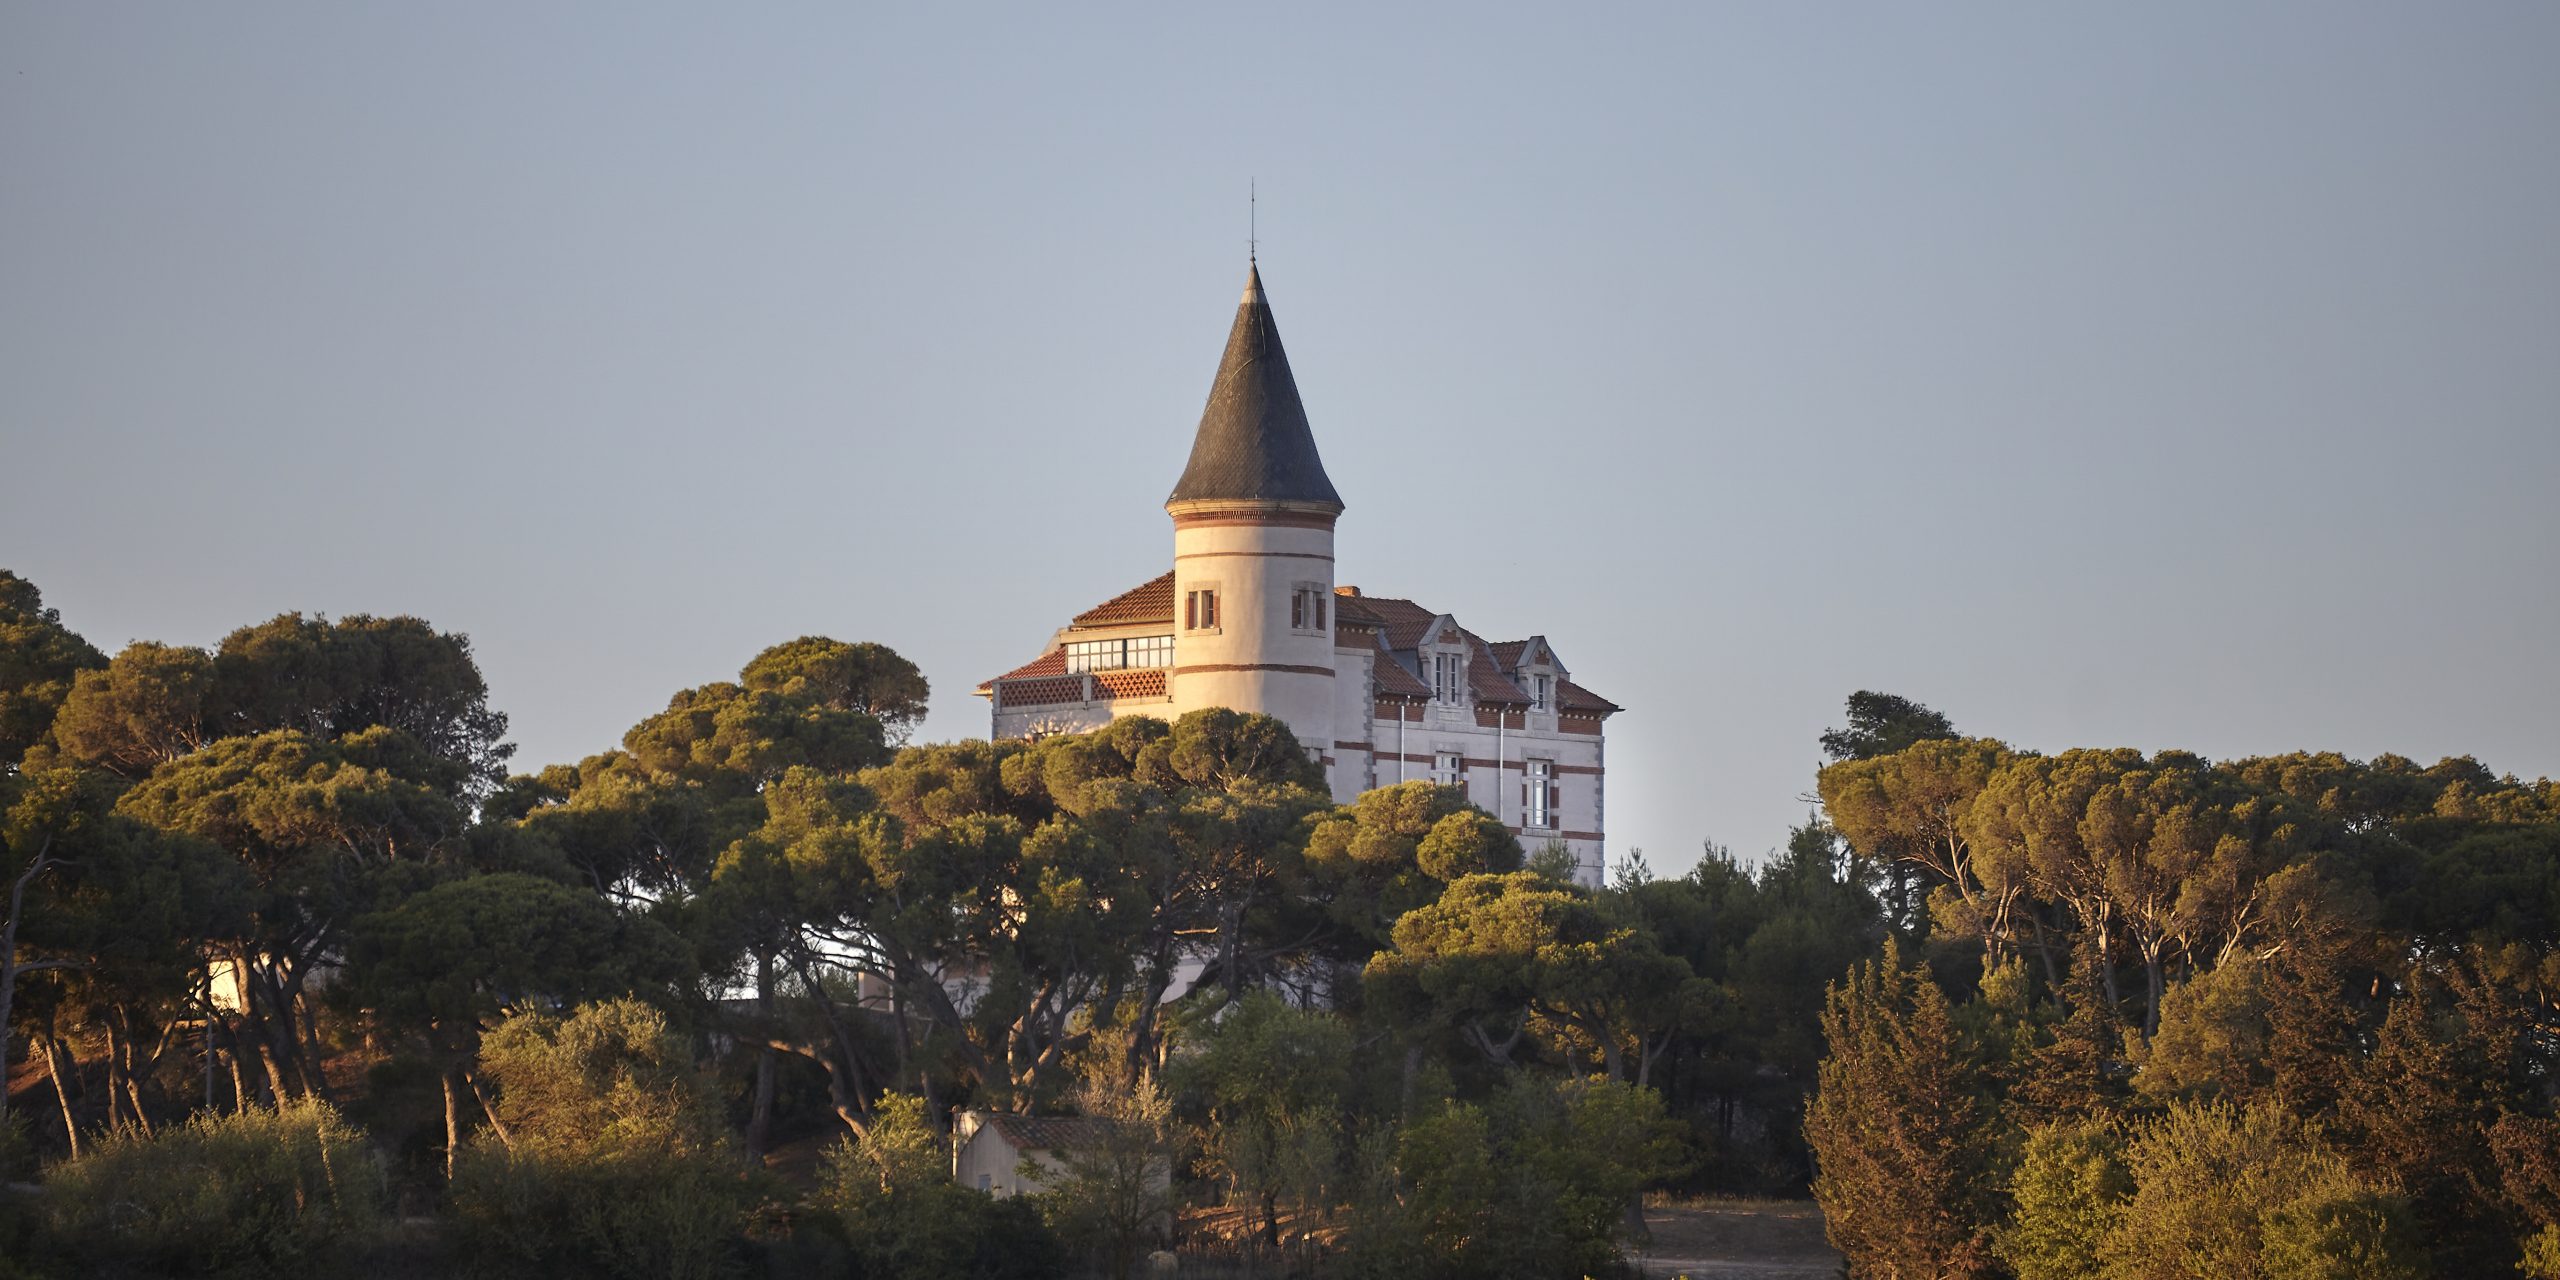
[(611, 1164), (2230, 1193), (18, 1218), (2356, 1235), (2070, 1185), (2541, 1255), (1535, 1182), (903, 1217), (625, 1213), (288, 1191)]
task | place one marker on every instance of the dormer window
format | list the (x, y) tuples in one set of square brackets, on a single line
[(1448, 678), (1541, 689)]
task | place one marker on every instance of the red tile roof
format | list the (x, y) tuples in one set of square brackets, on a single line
[(1052, 663), (1404, 624), (1485, 679), (1400, 624), (1573, 697), (1354, 611), (1393, 680), (1149, 601), (1404, 620)]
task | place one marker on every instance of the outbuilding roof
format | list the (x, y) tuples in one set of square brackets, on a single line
[(1050, 1133)]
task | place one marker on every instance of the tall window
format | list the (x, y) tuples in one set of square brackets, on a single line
[(1538, 793), (1448, 677), (1449, 769), (1200, 609), (1306, 607), (1539, 688), (1109, 655)]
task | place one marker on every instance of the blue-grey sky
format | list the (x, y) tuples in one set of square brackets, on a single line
[(2165, 375)]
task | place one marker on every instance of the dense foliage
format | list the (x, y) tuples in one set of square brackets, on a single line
[(2164, 1016), (286, 946)]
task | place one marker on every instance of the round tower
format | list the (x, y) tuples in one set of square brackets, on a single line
[(1253, 544)]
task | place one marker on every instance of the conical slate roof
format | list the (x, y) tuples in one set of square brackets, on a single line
[(1254, 443)]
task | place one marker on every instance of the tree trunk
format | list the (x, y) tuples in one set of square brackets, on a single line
[(760, 1119), (452, 1121), (240, 1095), (116, 1093), (310, 1023), (2152, 991), (133, 1090), (480, 1094), (53, 1057)]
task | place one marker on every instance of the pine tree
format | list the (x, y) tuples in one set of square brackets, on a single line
[(1897, 1129)]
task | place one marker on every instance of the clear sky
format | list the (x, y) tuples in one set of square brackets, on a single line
[(2162, 375)]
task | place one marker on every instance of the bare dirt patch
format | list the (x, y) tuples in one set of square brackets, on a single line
[(1736, 1240)]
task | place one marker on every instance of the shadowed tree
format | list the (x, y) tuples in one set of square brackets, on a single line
[(865, 677), (323, 830), (335, 679), (453, 961), (1881, 724), (144, 709), (39, 658)]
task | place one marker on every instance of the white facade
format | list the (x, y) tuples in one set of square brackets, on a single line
[(1382, 690)]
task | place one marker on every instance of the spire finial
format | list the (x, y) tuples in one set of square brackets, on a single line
[(1252, 221)]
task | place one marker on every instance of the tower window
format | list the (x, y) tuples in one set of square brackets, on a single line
[(1306, 607), (1200, 609)]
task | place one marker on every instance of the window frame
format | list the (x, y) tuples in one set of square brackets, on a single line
[(1307, 608), (1541, 795), (1194, 616)]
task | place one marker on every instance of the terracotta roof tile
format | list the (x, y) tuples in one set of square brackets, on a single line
[(1404, 620), (1506, 653), (1149, 601), (1394, 680), (1485, 679), (1052, 663), (1354, 611), (1573, 697)]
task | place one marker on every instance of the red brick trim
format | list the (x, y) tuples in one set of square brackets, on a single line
[(1284, 555), (1263, 519), (1352, 746), (1326, 672)]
